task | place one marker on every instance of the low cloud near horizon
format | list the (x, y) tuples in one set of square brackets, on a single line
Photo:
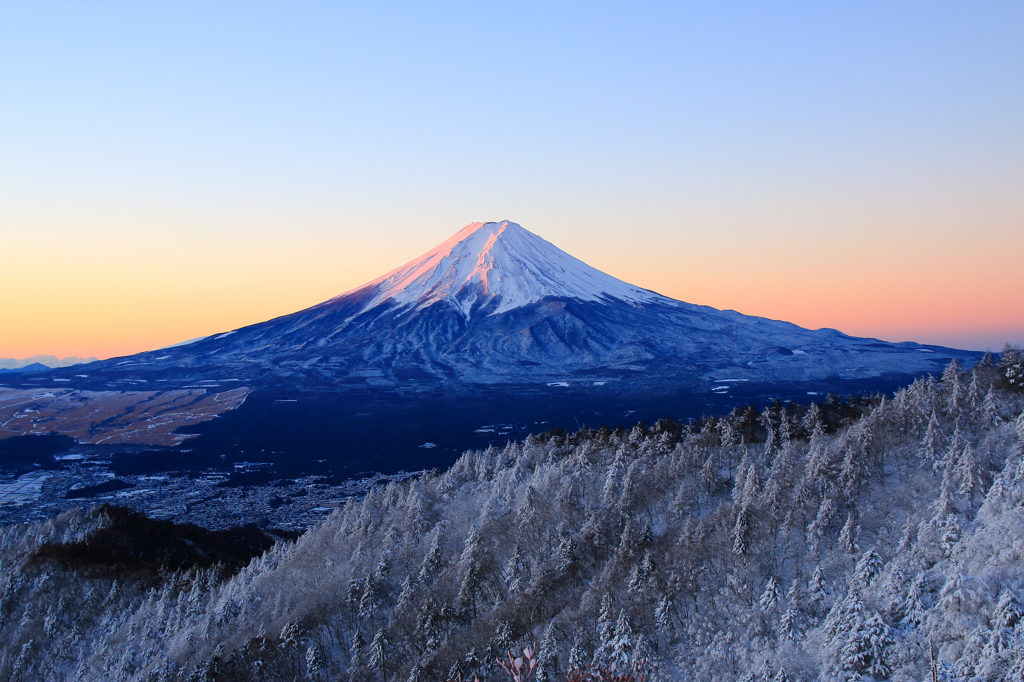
[(48, 360)]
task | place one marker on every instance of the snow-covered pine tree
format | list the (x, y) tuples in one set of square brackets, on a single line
[(620, 649), (848, 535), (952, 384), (378, 654), (930, 446), (315, 661), (769, 599), (605, 633), (868, 567)]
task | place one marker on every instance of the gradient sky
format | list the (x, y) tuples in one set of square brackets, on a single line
[(172, 170)]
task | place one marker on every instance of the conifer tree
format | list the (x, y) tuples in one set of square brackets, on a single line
[(868, 566), (930, 441), (620, 653), (951, 383), (822, 520), (566, 553), (547, 659), (577, 655), (315, 661), (433, 560), (974, 394), (740, 530), (990, 408), (969, 472), (863, 649), (817, 592), (770, 597), (848, 535), (378, 657), (355, 655), (605, 633)]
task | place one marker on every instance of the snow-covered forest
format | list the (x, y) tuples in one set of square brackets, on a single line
[(853, 539)]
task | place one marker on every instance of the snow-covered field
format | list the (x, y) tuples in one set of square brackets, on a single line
[(112, 417)]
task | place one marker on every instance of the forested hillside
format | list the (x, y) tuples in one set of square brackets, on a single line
[(855, 539)]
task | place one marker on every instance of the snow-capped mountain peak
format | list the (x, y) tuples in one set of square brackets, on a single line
[(500, 264), (496, 304)]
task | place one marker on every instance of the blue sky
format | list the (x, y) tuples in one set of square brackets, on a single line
[(755, 156)]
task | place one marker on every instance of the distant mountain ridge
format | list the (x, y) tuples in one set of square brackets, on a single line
[(34, 367), (46, 361)]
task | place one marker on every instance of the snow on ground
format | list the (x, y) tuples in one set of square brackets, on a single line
[(24, 489), (184, 343)]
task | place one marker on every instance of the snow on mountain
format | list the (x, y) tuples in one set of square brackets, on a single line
[(501, 266)]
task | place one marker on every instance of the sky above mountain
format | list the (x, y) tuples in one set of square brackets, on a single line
[(173, 171)]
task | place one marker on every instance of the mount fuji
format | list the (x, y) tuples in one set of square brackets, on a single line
[(498, 305), (495, 325)]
